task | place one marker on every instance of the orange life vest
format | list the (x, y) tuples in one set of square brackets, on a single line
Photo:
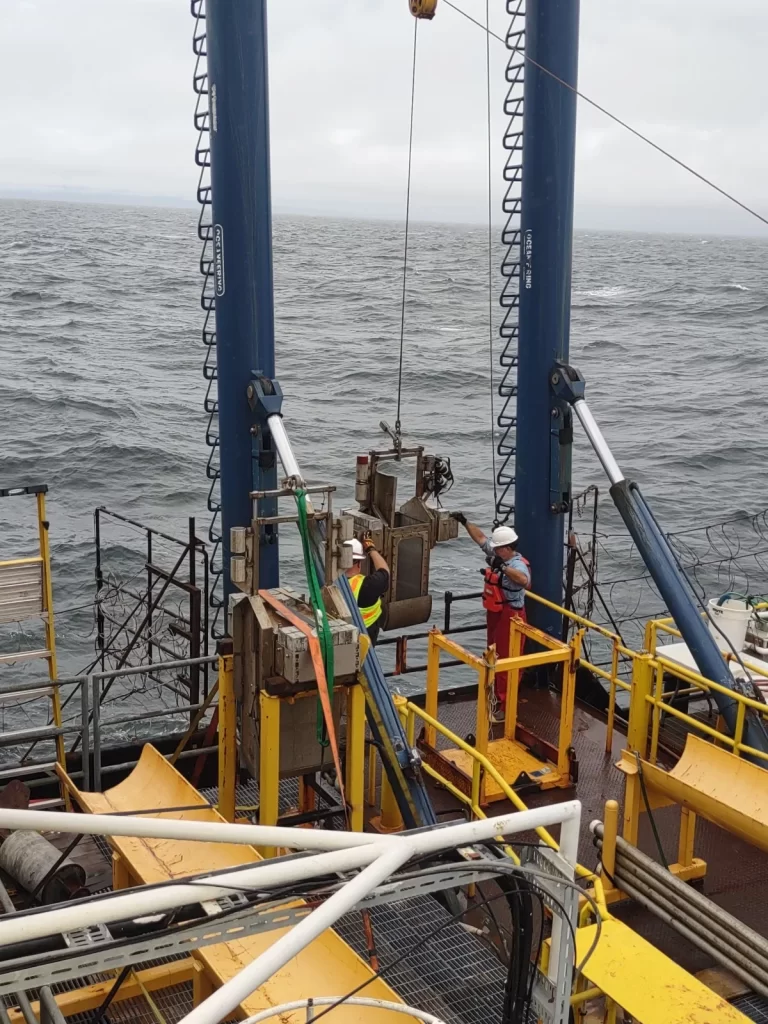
[(493, 595)]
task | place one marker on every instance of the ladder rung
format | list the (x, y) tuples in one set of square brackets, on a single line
[(11, 659)]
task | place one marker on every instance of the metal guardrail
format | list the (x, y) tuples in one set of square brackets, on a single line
[(482, 765), (621, 674), (171, 567), (89, 730)]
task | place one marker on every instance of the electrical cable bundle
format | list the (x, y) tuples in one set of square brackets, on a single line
[(518, 990), (517, 885)]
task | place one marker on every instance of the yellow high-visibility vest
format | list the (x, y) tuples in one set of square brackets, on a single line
[(372, 613)]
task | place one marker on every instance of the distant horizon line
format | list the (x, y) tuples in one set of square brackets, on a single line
[(93, 197)]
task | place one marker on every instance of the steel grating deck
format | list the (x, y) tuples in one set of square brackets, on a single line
[(754, 1007), (454, 975)]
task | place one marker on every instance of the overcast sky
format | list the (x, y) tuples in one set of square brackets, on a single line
[(98, 97)]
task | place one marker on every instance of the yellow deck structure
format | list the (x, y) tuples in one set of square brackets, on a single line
[(646, 983), (512, 754), (326, 967), (712, 782)]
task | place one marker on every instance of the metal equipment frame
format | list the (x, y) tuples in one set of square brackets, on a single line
[(512, 753)]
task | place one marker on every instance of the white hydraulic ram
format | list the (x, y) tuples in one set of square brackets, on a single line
[(568, 385)]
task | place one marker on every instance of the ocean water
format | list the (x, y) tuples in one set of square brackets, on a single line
[(101, 392)]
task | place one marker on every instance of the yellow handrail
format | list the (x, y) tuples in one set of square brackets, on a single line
[(660, 666), (482, 762)]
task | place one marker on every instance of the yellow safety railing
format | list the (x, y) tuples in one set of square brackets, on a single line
[(480, 766), (488, 665), (649, 699), (620, 656), (657, 699)]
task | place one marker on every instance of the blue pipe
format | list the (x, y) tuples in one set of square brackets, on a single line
[(682, 605), (242, 253), (542, 471), (415, 805)]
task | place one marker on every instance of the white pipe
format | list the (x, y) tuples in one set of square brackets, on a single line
[(373, 1004), (263, 876), (598, 442), (224, 1000), (229, 996), (284, 450), (148, 827), (174, 828), (142, 902)]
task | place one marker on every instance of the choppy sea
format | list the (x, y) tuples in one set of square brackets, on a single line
[(101, 391)]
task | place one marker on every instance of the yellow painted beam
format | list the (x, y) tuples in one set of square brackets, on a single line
[(90, 997), (516, 641), (567, 702), (227, 738), (531, 660), (50, 635), (645, 983), (269, 762), (34, 560), (433, 675), (719, 786), (456, 650), (639, 708), (354, 784)]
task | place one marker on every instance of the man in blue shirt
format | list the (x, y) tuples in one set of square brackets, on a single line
[(507, 580)]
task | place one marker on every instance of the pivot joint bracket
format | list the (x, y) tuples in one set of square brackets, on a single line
[(265, 397), (567, 383), (566, 387)]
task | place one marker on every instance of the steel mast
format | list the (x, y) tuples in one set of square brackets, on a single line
[(242, 266), (543, 442)]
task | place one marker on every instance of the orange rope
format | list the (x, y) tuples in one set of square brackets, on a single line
[(322, 682)]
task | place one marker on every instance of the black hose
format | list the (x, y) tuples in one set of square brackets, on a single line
[(649, 812), (517, 989), (99, 1014)]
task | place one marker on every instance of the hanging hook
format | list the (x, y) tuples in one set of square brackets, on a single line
[(396, 435)]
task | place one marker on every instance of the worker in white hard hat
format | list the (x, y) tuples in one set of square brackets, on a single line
[(370, 589), (507, 578)]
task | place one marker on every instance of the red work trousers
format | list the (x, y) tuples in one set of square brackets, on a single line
[(497, 624)]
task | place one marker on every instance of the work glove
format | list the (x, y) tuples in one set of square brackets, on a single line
[(459, 517), (368, 544), (497, 563)]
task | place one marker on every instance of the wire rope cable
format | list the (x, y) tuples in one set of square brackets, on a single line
[(614, 117), (490, 258), (407, 228)]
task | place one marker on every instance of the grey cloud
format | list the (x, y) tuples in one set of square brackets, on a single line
[(102, 100)]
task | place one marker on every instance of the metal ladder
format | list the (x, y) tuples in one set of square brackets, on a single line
[(26, 592), (511, 261), (208, 303)]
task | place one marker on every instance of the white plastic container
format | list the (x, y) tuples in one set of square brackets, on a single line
[(732, 616)]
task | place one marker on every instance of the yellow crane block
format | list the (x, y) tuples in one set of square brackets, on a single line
[(646, 983), (328, 966)]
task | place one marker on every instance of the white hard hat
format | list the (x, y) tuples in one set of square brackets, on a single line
[(357, 549), (502, 536)]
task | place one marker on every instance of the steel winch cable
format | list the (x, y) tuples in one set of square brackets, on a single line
[(491, 338), (407, 227), (619, 121)]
